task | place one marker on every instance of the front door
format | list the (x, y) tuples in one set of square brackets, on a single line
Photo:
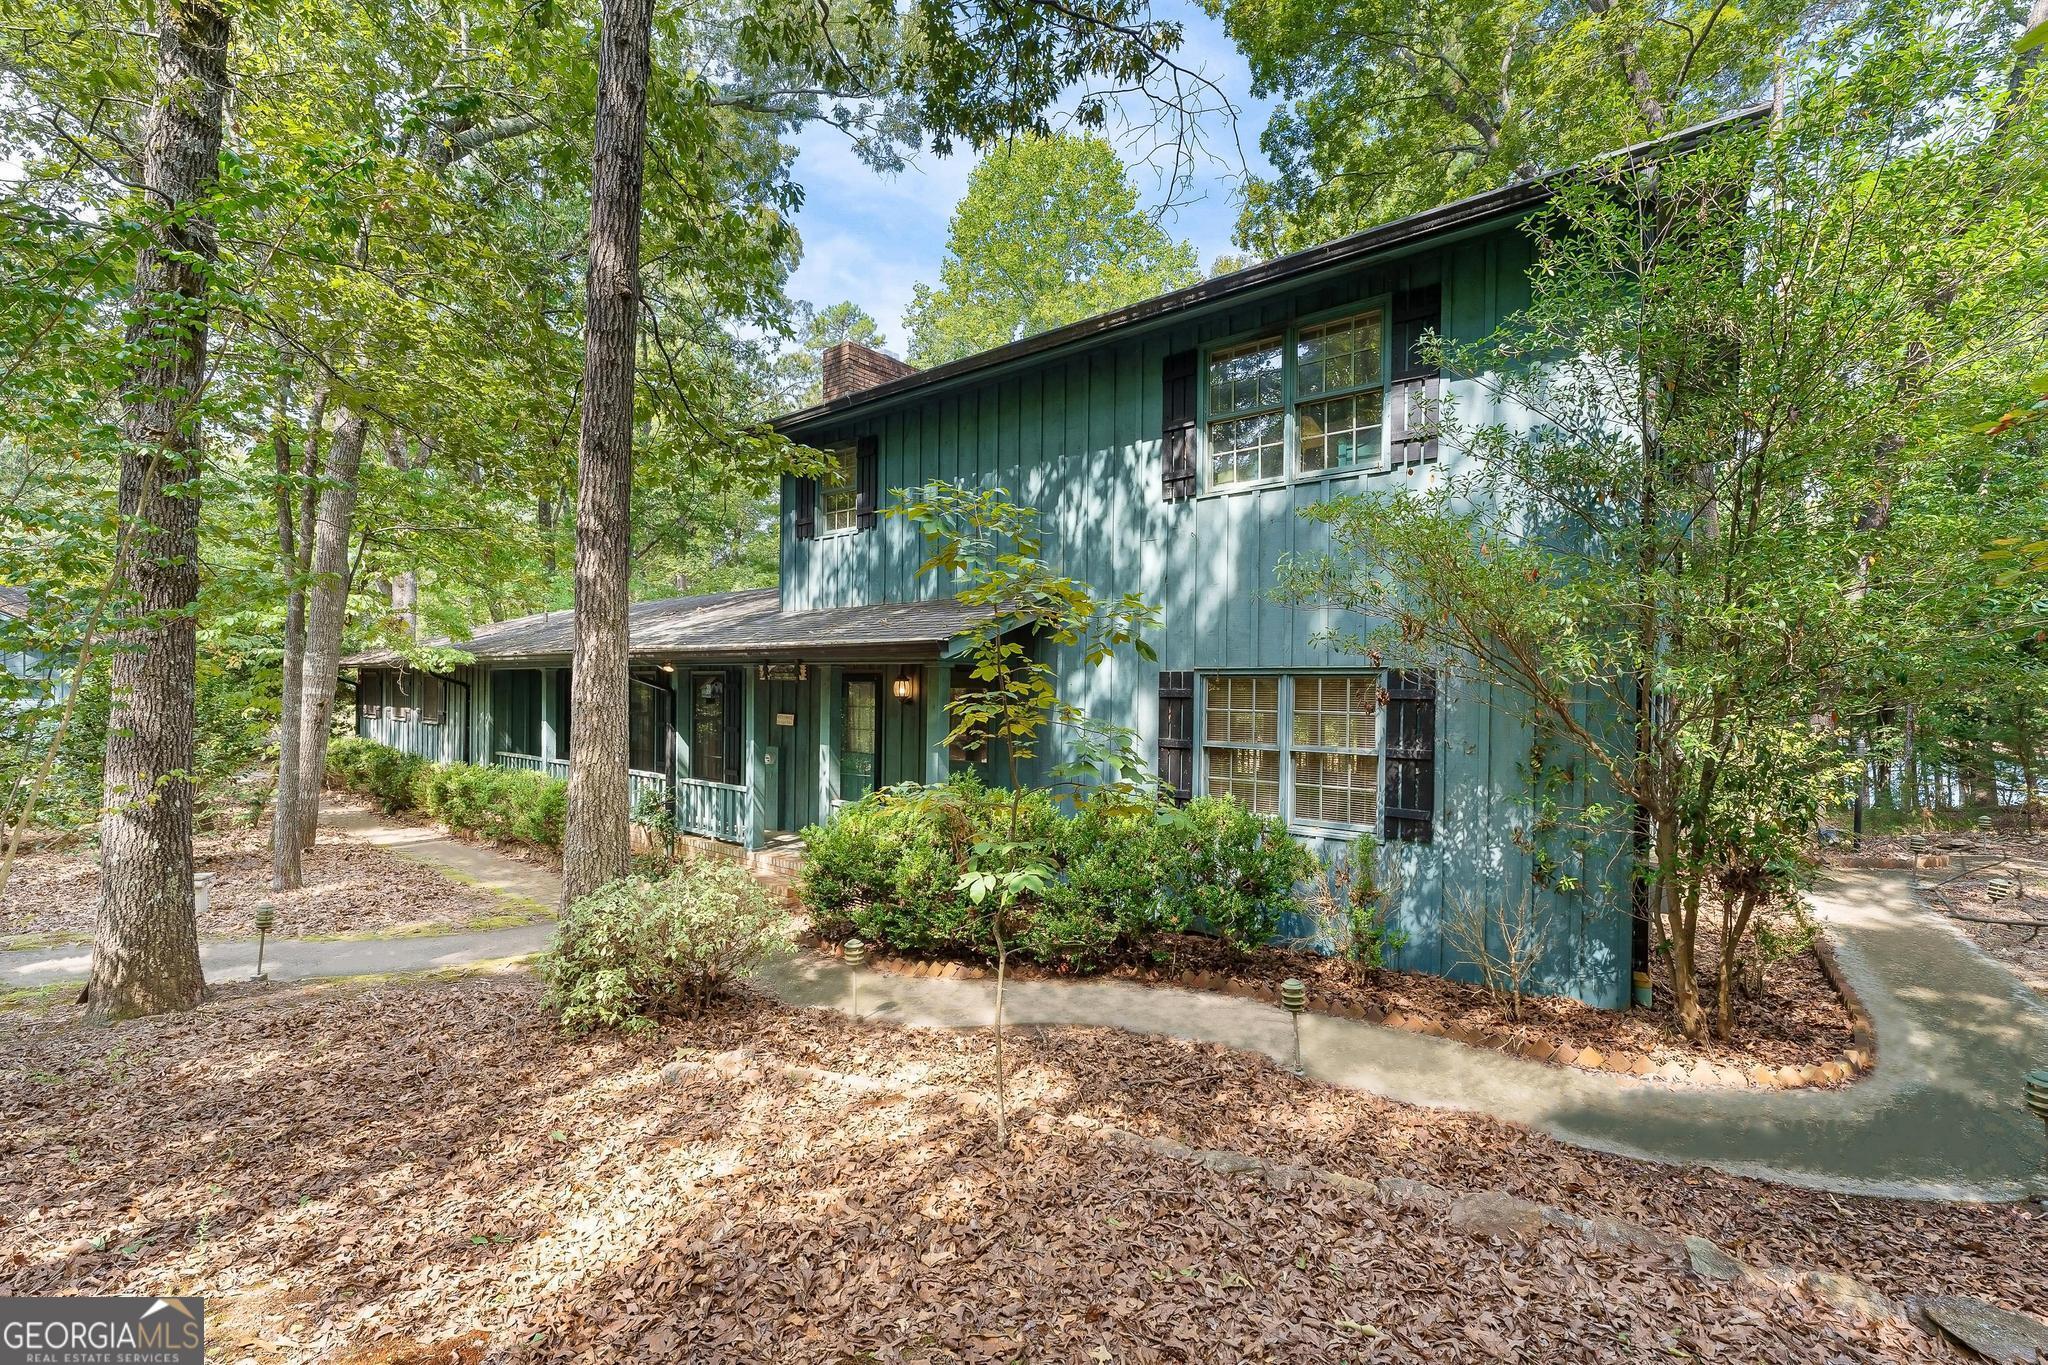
[(859, 715), (783, 700)]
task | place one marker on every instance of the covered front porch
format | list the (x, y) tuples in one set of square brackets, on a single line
[(750, 723)]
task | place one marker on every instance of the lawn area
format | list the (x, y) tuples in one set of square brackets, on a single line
[(424, 1169)]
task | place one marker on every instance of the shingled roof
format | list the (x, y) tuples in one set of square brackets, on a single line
[(749, 624), (13, 601)]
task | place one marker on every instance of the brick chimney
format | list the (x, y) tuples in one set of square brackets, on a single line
[(851, 367)]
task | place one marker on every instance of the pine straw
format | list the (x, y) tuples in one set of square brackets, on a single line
[(409, 1170), (350, 888)]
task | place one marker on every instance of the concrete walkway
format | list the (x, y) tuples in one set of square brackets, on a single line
[(1940, 1117)]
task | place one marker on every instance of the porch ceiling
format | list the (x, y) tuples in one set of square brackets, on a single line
[(726, 625)]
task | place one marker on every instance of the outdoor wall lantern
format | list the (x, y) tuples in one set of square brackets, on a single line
[(856, 954), (1294, 997), (906, 685), (266, 918)]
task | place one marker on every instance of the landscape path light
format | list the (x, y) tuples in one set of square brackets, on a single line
[(266, 918), (1294, 996), (202, 891), (856, 955)]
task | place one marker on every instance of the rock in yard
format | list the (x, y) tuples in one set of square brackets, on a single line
[(1710, 1262), (1992, 1332), (1497, 1215)]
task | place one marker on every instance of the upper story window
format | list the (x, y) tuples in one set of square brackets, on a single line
[(839, 491), (1247, 414), (1309, 401)]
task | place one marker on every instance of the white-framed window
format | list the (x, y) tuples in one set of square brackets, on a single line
[(1305, 402), (839, 491), (1304, 746)]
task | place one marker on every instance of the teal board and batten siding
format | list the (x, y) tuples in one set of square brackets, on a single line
[(460, 736), (1078, 437)]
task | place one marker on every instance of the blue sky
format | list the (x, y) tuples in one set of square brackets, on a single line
[(869, 237)]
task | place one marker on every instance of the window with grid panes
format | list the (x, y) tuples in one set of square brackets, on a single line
[(1241, 741), (839, 490), (1340, 394), (1247, 413), (1334, 743), (1331, 376), (1312, 739)]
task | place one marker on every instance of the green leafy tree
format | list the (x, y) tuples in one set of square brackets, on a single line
[(1049, 232), (1389, 108), (1736, 511), (989, 547)]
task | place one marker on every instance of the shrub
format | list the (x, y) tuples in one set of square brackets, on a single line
[(643, 947), (1234, 871), (888, 868), (505, 804)]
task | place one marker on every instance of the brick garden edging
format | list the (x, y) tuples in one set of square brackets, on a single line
[(1859, 1057)]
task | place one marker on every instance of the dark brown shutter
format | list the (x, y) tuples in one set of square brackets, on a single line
[(1410, 799), (1177, 426), (734, 713), (1417, 388), (806, 509), (1177, 734), (867, 484)]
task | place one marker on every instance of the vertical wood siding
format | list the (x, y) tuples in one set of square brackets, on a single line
[(1079, 438)]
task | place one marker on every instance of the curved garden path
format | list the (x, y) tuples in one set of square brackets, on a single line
[(1939, 1117)]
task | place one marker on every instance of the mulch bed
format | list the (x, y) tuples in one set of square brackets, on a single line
[(350, 888), (427, 1170), (1796, 1032)]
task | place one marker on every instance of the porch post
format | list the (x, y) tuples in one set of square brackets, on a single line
[(750, 747), (828, 739), (550, 722), (938, 690)]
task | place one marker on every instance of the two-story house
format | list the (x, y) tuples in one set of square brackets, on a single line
[(1168, 448)]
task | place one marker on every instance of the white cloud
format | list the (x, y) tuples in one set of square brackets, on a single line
[(870, 237)]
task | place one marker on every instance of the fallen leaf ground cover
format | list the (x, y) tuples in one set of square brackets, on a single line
[(1797, 1019), (416, 1169), (350, 887)]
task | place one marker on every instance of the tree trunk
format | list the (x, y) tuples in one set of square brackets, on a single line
[(327, 613), (295, 520), (146, 950), (596, 849)]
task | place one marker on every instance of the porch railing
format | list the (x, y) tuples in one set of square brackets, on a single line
[(712, 809), (716, 810), (533, 763), (640, 784)]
